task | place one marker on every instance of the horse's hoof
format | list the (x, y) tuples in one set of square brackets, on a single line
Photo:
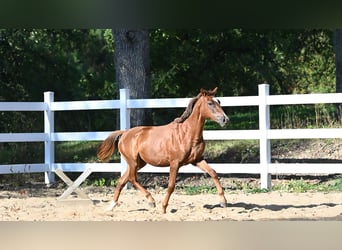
[(110, 207), (223, 204), (152, 204)]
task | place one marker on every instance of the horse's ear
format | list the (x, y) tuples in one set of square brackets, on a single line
[(213, 92)]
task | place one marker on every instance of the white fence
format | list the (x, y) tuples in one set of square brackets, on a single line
[(264, 134)]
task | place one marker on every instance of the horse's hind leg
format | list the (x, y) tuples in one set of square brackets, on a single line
[(121, 183), (137, 185), (146, 193)]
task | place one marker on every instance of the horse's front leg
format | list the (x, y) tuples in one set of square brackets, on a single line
[(203, 165), (171, 186)]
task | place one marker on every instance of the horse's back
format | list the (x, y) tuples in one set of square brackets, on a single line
[(151, 143)]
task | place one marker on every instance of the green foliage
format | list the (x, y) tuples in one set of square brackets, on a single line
[(303, 116), (78, 151), (75, 64), (297, 186), (100, 182), (238, 151), (244, 118), (335, 185), (78, 64), (302, 186), (19, 153), (294, 185), (193, 190), (237, 60)]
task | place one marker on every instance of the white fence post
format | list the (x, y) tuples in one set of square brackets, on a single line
[(124, 120), (264, 141), (49, 149)]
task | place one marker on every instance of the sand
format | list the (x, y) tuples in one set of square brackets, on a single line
[(29, 204)]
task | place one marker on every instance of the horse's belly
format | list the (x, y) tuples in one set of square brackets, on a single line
[(155, 160), (162, 159)]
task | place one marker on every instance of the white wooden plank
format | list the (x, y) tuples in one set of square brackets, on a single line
[(184, 102), (207, 134), (76, 184), (304, 99), (158, 103), (85, 105), (234, 101), (220, 168), (305, 133), (231, 134), (23, 106), (305, 168), (80, 167), (23, 168), (79, 136), (69, 182), (22, 137)]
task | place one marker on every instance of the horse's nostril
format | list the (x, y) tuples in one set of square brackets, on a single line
[(225, 119)]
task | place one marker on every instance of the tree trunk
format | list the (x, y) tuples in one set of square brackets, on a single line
[(132, 65), (338, 62)]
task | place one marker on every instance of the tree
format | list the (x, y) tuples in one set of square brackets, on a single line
[(338, 62), (74, 64), (132, 67)]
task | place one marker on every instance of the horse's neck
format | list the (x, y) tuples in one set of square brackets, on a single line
[(195, 124)]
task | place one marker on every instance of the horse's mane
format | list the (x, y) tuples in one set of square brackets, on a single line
[(192, 102), (188, 110)]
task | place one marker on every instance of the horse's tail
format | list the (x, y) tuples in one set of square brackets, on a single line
[(109, 146)]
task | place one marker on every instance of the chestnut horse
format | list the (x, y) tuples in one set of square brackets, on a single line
[(175, 144)]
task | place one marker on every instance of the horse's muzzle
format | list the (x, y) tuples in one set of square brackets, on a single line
[(223, 120)]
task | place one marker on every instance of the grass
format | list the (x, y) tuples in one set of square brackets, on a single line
[(238, 151), (293, 186), (203, 189), (101, 182), (281, 116), (302, 186), (76, 151)]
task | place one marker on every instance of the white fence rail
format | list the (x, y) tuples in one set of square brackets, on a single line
[(264, 134)]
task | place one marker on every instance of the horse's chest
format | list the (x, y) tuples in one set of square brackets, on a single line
[(193, 153)]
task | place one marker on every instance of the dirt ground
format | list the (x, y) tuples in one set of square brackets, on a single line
[(41, 204)]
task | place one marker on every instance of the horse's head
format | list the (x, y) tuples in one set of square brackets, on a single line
[(211, 108)]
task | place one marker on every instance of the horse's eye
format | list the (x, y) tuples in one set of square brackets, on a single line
[(210, 103)]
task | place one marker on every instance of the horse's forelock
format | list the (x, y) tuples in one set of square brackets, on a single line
[(204, 92)]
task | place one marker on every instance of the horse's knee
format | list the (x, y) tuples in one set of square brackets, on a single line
[(213, 174), (121, 184), (171, 188)]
